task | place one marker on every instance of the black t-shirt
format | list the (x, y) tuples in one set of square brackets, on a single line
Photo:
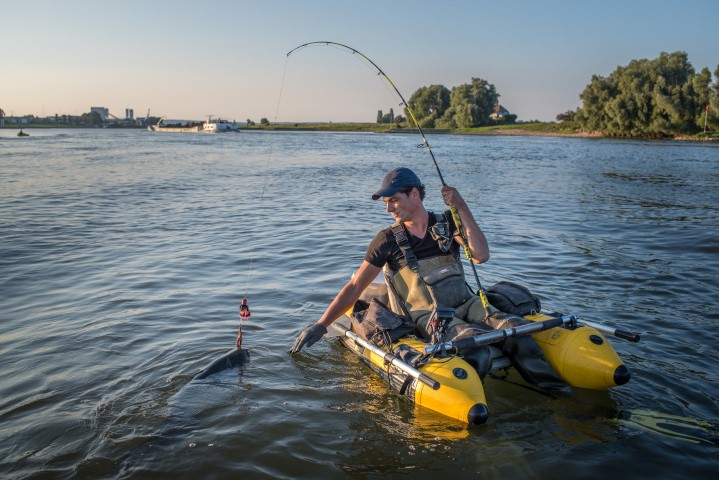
[(384, 248)]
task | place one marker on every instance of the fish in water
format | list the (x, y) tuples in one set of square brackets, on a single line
[(234, 358), (187, 411)]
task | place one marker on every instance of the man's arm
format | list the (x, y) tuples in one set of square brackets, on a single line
[(344, 300), (475, 237), (350, 293)]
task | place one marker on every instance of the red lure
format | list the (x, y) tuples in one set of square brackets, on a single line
[(244, 313)]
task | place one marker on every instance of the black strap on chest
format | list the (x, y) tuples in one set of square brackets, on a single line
[(439, 231), (400, 235)]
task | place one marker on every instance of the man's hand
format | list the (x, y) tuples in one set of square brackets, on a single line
[(308, 337), (475, 239), (452, 198)]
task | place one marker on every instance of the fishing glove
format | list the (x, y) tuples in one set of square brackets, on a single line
[(308, 337)]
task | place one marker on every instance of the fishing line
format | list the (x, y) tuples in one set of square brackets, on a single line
[(267, 168), (244, 306)]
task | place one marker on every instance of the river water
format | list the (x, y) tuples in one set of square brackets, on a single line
[(125, 254)]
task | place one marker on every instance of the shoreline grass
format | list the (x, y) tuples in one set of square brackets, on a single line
[(549, 129)]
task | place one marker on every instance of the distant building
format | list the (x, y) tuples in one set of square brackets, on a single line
[(129, 114), (499, 112), (102, 111)]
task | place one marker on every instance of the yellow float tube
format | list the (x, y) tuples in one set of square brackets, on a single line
[(459, 392), (578, 352), (581, 355)]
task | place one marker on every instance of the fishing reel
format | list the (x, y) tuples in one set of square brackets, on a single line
[(441, 234), (439, 322)]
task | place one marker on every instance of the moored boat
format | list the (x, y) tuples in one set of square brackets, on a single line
[(578, 352), (175, 128), (210, 126), (219, 126)]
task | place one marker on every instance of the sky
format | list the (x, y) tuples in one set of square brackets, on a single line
[(188, 59)]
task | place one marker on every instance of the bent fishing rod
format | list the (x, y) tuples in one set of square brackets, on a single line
[(405, 104)]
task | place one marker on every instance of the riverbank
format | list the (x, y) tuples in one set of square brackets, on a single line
[(543, 129), (538, 129)]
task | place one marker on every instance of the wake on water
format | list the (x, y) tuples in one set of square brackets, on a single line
[(214, 388)]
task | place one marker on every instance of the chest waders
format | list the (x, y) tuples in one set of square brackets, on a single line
[(439, 281)]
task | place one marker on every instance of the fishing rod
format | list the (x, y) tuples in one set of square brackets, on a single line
[(495, 336), (405, 104), (528, 329)]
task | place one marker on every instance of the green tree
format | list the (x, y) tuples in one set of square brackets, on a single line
[(567, 116), (90, 118), (387, 117), (702, 84), (675, 99), (713, 113), (471, 104), (657, 97), (379, 116), (264, 121), (429, 103)]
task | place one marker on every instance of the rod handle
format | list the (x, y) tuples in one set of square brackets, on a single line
[(430, 382), (626, 335)]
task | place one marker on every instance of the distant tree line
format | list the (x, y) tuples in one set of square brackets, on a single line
[(86, 119), (89, 119), (389, 117), (263, 121), (465, 106), (650, 98)]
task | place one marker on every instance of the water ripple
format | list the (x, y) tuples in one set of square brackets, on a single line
[(126, 254)]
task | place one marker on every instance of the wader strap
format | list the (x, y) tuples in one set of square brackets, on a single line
[(397, 297), (401, 237)]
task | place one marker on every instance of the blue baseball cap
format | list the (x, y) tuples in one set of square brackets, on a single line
[(395, 180)]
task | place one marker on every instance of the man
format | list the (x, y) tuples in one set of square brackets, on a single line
[(422, 252)]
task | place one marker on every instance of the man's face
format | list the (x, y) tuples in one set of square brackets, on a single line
[(402, 206)]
